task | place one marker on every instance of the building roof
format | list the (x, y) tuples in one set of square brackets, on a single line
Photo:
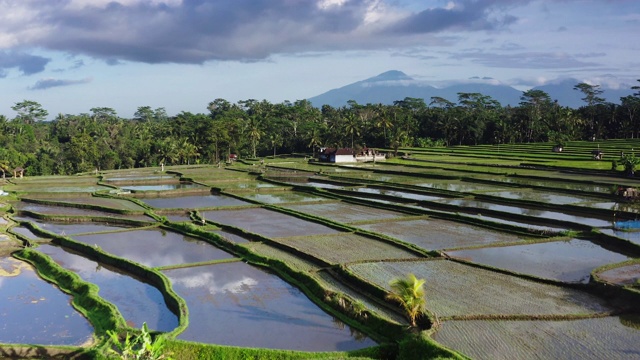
[(340, 151)]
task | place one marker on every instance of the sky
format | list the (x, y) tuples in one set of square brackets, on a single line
[(74, 55)]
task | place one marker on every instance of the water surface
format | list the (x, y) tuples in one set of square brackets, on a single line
[(240, 305), (624, 275), (283, 197), (36, 312), (434, 234), (161, 187), (568, 261), (137, 301), (538, 213), (193, 202), (267, 222), (633, 236), (155, 247)]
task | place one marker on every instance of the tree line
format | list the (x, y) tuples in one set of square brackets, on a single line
[(102, 140)]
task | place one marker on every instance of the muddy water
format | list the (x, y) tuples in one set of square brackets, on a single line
[(154, 247), (625, 275), (137, 301), (268, 223), (240, 305), (568, 261), (36, 312), (193, 202)]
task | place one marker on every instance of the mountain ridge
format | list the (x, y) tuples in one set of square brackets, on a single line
[(394, 85)]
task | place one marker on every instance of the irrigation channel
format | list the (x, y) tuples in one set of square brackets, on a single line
[(295, 255)]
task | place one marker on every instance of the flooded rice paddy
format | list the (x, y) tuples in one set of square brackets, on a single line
[(193, 202), (568, 261), (267, 222), (64, 228), (138, 302), (284, 197), (485, 292), (162, 187), (248, 185), (233, 303), (36, 312), (587, 339), (120, 204), (624, 275), (632, 236), (27, 233), (154, 247), (542, 196), (345, 212), (346, 248), (140, 178), (65, 189), (533, 212), (240, 305), (399, 194), (435, 234)]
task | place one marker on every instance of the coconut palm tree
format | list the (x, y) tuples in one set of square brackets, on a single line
[(409, 293)]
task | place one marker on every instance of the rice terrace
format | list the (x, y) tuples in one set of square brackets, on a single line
[(525, 253)]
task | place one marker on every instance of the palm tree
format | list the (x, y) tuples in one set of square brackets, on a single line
[(409, 293), (351, 126), (4, 167), (254, 133), (314, 140)]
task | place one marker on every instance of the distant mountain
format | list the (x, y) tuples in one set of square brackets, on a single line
[(565, 94), (395, 85)]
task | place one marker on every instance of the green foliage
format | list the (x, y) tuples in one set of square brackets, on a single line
[(429, 143), (630, 162), (77, 143), (192, 351), (409, 293), (420, 346), (137, 347)]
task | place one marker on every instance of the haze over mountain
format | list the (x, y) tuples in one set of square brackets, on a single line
[(395, 85)]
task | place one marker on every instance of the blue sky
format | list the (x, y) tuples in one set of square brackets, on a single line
[(73, 55)]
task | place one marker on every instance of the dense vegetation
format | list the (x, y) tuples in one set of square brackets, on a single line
[(102, 140)]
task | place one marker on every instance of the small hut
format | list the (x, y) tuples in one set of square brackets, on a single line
[(18, 172)]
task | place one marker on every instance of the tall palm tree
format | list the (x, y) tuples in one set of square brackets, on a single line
[(254, 133), (409, 293), (314, 140), (351, 126)]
